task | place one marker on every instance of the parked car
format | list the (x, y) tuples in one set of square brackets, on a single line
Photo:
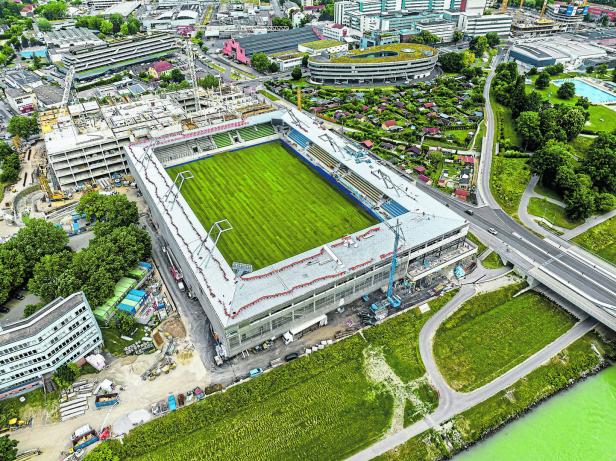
[(291, 356), (255, 372), (19, 296), (4, 310)]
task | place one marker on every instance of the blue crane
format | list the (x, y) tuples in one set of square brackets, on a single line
[(394, 301)]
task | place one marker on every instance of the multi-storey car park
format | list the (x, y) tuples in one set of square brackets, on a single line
[(255, 252), (32, 349), (385, 63)]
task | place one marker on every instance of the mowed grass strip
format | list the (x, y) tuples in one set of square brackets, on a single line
[(600, 239), (277, 205), (493, 332)]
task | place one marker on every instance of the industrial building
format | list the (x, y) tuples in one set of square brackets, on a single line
[(546, 51), (387, 63), (474, 25), (246, 309), (87, 143), (32, 349), (241, 49), (71, 37), (92, 61)]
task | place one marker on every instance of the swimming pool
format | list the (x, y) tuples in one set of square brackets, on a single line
[(582, 88)]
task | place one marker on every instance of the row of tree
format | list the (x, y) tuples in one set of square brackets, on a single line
[(112, 25), (261, 63), (119, 244), (9, 164)]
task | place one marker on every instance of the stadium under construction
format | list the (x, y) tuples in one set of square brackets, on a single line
[(247, 307)]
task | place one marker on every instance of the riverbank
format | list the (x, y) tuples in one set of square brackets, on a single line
[(585, 357)]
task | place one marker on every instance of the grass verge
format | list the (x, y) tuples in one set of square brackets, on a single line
[(493, 332), (268, 95), (114, 344), (571, 364), (508, 180), (492, 261), (481, 247), (551, 212), (600, 239)]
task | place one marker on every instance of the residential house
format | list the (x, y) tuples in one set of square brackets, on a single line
[(158, 68)]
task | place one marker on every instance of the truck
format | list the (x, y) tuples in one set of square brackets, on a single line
[(295, 333), (84, 437), (106, 400)]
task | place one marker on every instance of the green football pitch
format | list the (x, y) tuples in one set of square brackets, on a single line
[(277, 205)]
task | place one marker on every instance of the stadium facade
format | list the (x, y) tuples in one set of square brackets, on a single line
[(397, 61), (246, 310)]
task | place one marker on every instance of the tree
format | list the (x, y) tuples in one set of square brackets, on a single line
[(106, 27), (532, 71), (125, 322), (124, 29), (47, 273), (479, 45), (451, 62), (517, 97), (580, 203), (547, 161), (43, 24), (601, 69), (604, 202), (10, 168), (103, 452), (66, 375), (566, 90), (534, 101), (571, 120), (468, 58), (8, 448), (282, 22), (109, 211), (22, 126), (605, 21), (52, 10), (493, 39), (543, 80), (614, 75), (305, 60), (555, 69), (600, 162), (457, 35), (583, 102), (12, 271), (425, 37), (296, 74), (260, 62), (528, 126), (36, 63), (209, 81), (273, 67)]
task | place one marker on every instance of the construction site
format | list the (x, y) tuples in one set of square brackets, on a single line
[(551, 19)]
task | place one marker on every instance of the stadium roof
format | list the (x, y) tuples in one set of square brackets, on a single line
[(274, 42), (239, 299)]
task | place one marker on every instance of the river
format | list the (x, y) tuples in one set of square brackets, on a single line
[(576, 425)]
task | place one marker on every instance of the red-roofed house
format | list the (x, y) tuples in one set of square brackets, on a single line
[(423, 178), (461, 194), (429, 105), (420, 169), (432, 131), (158, 68), (466, 159), (389, 125), (368, 144), (27, 10)]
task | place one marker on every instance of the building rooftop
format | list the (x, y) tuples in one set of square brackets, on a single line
[(123, 8), (273, 42), (322, 44), (71, 34), (39, 320), (393, 52)]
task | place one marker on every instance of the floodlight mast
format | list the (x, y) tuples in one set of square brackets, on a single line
[(173, 192), (220, 227)]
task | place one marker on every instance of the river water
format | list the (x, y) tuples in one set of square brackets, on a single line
[(576, 425)]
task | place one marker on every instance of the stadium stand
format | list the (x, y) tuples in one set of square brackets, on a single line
[(222, 140), (172, 152), (257, 131), (299, 138), (323, 156), (364, 187), (394, 209)]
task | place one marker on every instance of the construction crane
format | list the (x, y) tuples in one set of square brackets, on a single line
[(190, 55), (542, 19), (393, 300), (503, 8), (68, 84), (299, 99), (518, 15)]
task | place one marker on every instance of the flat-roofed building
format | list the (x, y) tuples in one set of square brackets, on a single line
[(32, 349)]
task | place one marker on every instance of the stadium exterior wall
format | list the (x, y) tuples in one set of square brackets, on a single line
[(330, 72)]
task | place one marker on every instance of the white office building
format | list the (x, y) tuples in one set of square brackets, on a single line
[(32, 349), (475, 25)]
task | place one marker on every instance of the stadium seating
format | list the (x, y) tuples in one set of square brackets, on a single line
[(323, 156), (364, 187), (394, 209), (222, 140), (299, 138), (254, 132), (172, 152)]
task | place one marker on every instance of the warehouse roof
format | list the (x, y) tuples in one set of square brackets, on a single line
[(274, 42)]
